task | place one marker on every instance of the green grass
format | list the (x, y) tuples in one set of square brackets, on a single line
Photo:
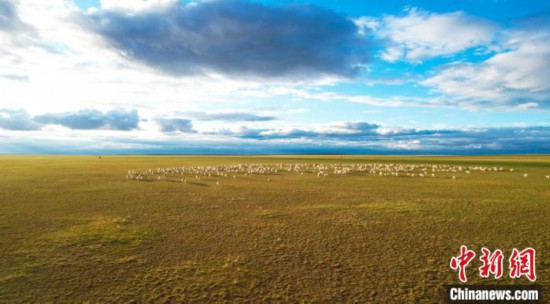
[(73, 229)]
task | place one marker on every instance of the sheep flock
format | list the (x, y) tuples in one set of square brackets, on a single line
[(195, 173)]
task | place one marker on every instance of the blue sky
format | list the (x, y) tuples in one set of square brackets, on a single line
[(169, 77)]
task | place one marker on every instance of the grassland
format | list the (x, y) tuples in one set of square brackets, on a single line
[(73, 229)]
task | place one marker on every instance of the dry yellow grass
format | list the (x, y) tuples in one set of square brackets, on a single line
[(72, 229)]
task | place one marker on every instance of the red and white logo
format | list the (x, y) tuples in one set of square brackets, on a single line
[(521, 263)]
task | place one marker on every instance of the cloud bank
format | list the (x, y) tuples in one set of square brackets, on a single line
[(9, 19), (237, 38), (232, 116), (469, 141), (421, 35), (349, 137), (514, 78), (171, 125), (17, 120), (117, 119)]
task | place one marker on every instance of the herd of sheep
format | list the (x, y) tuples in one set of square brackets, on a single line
[(185, 174)]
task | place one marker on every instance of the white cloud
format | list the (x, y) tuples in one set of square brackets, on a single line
[(304, 94), (366, 24), (517, 79), (393, 53), (405, 145), (421, 35), (66, 67), (135, 5)]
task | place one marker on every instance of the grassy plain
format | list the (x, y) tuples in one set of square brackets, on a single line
[(73, 229)]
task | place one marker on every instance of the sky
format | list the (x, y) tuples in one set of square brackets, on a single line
[(274, 77)]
